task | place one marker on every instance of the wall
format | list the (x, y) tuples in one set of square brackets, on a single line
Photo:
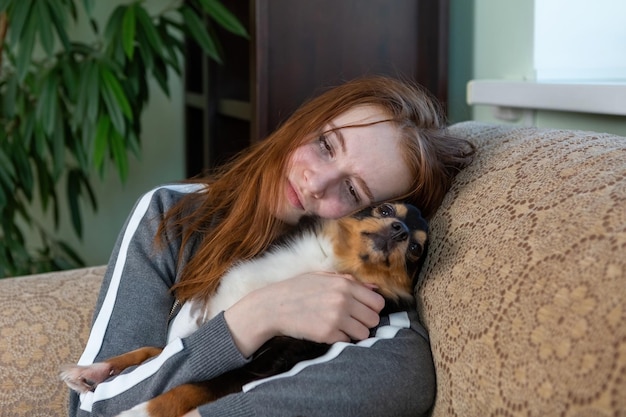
[(500, 35)]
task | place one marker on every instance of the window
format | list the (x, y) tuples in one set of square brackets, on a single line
[(580, 40)]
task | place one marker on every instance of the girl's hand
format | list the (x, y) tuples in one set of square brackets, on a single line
[(322, 307)]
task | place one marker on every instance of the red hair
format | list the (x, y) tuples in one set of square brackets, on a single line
[(234, 218)]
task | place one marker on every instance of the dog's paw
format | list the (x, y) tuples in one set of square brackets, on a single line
[(140, 410), (85, 378)]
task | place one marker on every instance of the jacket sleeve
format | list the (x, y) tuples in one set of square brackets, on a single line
[(390, 374), (133, 310)]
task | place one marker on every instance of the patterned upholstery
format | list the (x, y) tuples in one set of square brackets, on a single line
[(524, 290), (44, 323)]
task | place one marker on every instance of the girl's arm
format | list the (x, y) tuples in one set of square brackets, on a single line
[(133, 311), (391, 373)]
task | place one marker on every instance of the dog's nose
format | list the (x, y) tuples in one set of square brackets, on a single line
[(399, 231)]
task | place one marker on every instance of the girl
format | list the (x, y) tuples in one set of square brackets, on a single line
[(367, 141)]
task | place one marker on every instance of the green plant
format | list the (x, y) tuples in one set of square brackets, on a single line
[(68, 107)]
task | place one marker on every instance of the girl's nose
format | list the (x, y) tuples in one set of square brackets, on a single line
[(319, 182)]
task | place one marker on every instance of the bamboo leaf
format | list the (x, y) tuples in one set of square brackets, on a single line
[(26, 46), (113, 85), (159, 71), (3, 203), (26, 130), (40, 141), (87, 186), (73, 194), (45, 29), (46, 110), (132, 143), (57, 15), (8, 98), (128, 31), (198, 31), (146, 53), (114, 25), (119, 155), (69, 78), (18, 19), (223, 17), (58, 149), (117, 118), (101, 142), (147, 27), (23, 169), (7, 170), (46, 190), (91, 91)]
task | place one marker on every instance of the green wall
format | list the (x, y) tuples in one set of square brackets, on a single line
[(499, 34)]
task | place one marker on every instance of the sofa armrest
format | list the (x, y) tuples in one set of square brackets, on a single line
[(44, 323), (524, 287)]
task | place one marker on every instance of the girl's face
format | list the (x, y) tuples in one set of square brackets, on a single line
[(345, 169)]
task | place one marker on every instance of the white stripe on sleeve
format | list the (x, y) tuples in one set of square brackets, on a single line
[(397, 321), (96, 337)]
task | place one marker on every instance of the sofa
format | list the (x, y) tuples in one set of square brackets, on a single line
[(523, 291)]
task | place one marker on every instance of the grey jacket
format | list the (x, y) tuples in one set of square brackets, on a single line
[(389, 374)]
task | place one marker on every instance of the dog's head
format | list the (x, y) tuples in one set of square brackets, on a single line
[(382, 245)]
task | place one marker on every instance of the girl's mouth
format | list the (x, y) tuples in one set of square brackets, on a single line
[(292, 196)]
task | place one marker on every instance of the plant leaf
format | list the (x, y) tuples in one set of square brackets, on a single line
[(23, 169), (113, 85), (91, 90), (7, 170), (45, 29), (198, 31), (57, 15), (128, 31), (119, 155), (223, 17), (26, 46), (18, 18), (73, 194), (117, 118), (8, 98), (101, 142), (147, 26), (113, 27), (58, 148), (46, 110)]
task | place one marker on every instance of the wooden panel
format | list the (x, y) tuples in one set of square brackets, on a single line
[(298, 48), (302, 47)]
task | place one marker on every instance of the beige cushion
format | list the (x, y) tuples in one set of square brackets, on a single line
[(524, 289), (44, 322)]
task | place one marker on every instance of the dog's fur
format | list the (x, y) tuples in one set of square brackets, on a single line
[(380, 246)]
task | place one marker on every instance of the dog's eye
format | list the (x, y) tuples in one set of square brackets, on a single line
[(386, 210), (415, 249)]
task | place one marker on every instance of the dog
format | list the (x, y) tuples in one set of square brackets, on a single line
[(382, 247)]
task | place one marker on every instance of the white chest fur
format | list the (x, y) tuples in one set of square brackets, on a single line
[(307, 253)]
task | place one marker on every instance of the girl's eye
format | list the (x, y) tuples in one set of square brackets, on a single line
[(325, 145), (353, 193)]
